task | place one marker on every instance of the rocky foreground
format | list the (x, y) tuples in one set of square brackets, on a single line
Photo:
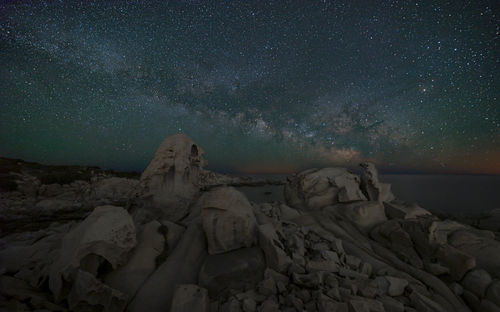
[(180, 238)]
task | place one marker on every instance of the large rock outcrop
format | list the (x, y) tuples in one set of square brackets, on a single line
[(228, 220), (171, 180), (107, 235), (314, 189)]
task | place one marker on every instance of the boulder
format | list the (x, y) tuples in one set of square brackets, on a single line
[(171, 180), (274, 249), (181, 267), (106, 235), (456, 260), (399, 210), (188, 298), (142, 263), (228, 220), (90, 294), (485, 250), (493, 292), (477, 282), (240, 269), (391, 235), (314, 189), (371, 186), (364, 215), (113, 191)]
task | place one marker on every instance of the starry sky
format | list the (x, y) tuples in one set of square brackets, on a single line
[(261, 86)]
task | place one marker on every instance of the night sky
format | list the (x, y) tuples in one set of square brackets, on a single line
[(262, 86)]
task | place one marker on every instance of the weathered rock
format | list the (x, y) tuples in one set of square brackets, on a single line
[(364, 215), (318, 266), (370, 184), (287, 213), (488, 306), (171, 180), (493, 292), (326, 304), (396, 286), (485, 250), (316, 188), (142, 263), (240, 269), (188, 298), (477, 281), (20, 290), (181, 267), (90, 294), (396, 210), (112, 191), (269, 306), (228, 220), (276, 258), (107, 233), (425, 304), (457, 261)]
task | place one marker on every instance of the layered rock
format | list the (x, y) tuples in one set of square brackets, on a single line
[(228, 220), (171, 180), (317, 188)]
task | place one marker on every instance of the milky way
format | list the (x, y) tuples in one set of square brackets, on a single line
[(262, 86)]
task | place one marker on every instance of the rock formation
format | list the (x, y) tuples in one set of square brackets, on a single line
[(340, 242)]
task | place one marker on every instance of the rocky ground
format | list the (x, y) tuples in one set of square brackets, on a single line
[(180, 238)]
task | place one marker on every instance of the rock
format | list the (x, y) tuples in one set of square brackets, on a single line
[(276, 258), (396, 286), (314, 189), (364, 215), (189, 298), (486, 251), (267, 287), (108, 233), (249, 305), (171, 180), (477, 281), (424, 304), (173, 234), (493, 292), (391, 305), (113, 191), (21, 291), (471, 299), (318, 266), (142, 263), (88, 293), (269, 306), (488, 306), (240, 269), (457, 288), (310, 280), (288, 213), (395, 210), (370, 184), (457, 261), (181, 267), (326, 304), (228, 220)]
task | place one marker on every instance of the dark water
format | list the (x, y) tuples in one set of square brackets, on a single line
[(452, 194)]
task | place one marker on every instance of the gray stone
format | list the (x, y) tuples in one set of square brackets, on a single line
[(477, 281), (107, 233), (142, 263), (314, 189), (181, 267), (189, 298), (395, 210), (317, 266), (488, 306), (276, 258), (238, 269), (493, 292), (228, 220), (171, 180)]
